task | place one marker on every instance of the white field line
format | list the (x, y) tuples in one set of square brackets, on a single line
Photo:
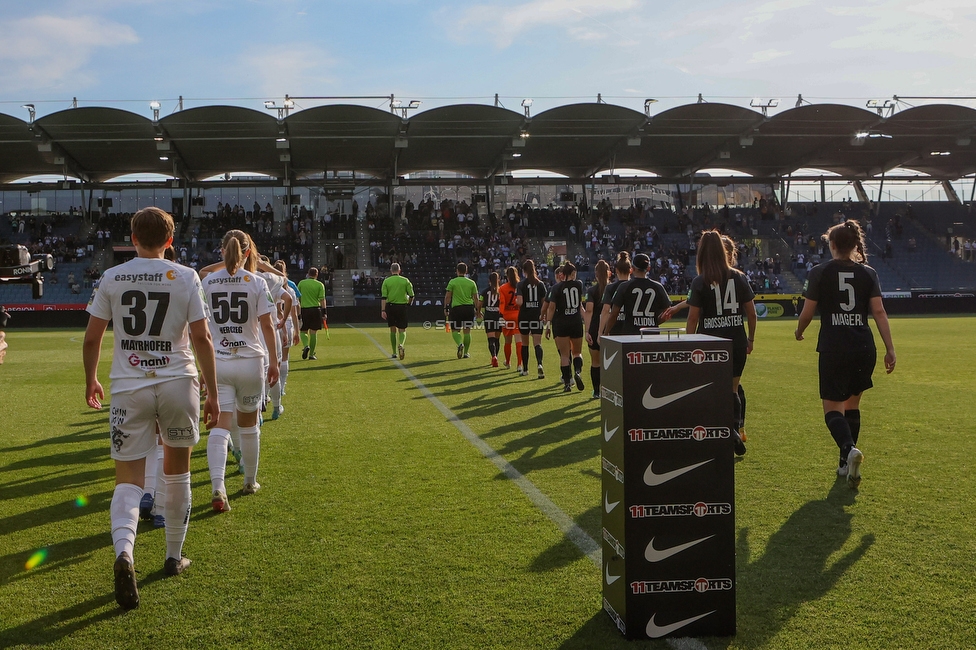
[(586, 544)]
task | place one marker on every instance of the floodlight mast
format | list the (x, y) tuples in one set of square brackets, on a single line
[(396, 106), (764, 105), (884, 107)]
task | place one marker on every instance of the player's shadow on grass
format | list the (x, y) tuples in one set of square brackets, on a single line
[(52, 482), (798, 565), (92, 455), (59, 625), (293, 367), (59, 512), (58, 556), (96, 429)]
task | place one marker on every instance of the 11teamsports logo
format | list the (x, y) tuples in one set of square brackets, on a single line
[(696, 357)]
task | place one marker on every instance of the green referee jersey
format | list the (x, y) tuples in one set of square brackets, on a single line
[(463, 290), (397, 290), (312, 292)]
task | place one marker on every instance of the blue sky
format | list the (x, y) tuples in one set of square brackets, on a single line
[(127, 52)]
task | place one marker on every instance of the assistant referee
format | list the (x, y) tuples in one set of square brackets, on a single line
[(397, 294), (313, 311)]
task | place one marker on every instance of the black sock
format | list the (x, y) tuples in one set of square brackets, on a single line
[(564, 370), (595, 378), (853, 418), (525, 356), (840, 431), (538, 354), (577, 365), (736, 410), (742, 411)]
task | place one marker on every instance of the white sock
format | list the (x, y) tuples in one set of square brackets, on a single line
[(217, 457), (154, 466), (235, 433), (125, 517), (159, 505), (250, 451), (177, 512), (275, 393), (283, 375)]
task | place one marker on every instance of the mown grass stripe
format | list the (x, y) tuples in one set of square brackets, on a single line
[(586, 544)]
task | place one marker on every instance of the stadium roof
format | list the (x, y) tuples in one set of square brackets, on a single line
[(578, 141)]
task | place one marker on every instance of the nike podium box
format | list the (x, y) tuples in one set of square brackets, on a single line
[(668, 485)]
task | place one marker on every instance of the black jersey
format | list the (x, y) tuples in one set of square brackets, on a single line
[(641, 301), (721, 307), (843, 292), (532, 296), (492, 304), (595, 296), (568, 298), (608, 295)]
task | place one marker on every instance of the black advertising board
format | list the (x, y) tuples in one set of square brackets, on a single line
[(668, 499)]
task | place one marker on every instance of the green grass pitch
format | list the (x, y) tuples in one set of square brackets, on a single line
[(380, 526)]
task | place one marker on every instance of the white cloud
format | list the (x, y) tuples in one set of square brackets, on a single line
[(45, 51), (581, 19), (296, 69), (767, 55)]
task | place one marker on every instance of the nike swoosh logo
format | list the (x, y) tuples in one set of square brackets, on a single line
[(612, 579), (657, 631), (609, 506), (607, 361), (650, 402), (608, 433), (652, 478), (651, 554)]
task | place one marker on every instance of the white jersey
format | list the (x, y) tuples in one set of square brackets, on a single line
[(150, 302), (237, 302)]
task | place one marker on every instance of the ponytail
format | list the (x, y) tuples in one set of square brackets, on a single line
[(602, 272), (848, 240), (235, 247)]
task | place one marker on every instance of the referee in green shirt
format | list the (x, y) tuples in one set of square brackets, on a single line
[(397, 294), (313, 311), (462, 306)]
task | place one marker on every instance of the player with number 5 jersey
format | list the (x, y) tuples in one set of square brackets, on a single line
[(846, 290), (721, 303)]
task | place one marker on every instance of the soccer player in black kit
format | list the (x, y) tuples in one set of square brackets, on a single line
[(531, 291), (491, 300), (592, 309), (623, 269), (846, 290), (641, 300), (565, 302), (720, 303)]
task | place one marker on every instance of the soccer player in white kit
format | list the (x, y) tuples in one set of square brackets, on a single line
[(243, 329), (288, 329), (277, 286), (158, 308)]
